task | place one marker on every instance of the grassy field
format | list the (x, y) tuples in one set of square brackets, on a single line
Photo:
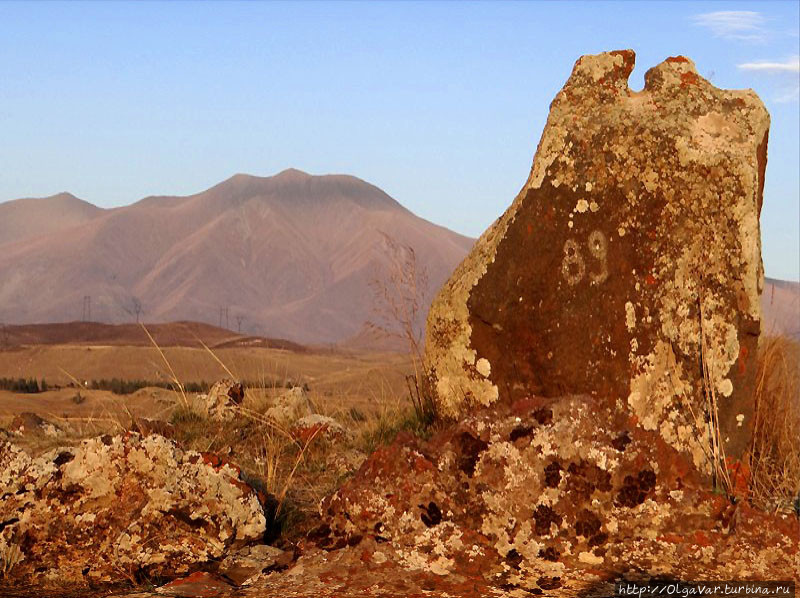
[(337, 380), (365, 393)]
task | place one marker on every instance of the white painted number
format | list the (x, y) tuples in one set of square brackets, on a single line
[(573, 267)]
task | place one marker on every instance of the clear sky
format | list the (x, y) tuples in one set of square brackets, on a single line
[(439, 104)]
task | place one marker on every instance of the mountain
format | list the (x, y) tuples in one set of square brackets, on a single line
[(31, 217), (294, 255)]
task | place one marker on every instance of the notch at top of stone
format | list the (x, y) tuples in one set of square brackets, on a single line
[(607, 74)]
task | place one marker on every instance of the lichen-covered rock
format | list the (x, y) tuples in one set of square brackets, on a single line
[(290, 406), (31, 424), (200, 584), (116, 507), (552, 494), (146, 426), (319, 427), (628, 265), (248, 562), (221, 400)]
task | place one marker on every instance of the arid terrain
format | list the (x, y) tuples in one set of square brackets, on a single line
[(70, 357), (605, 391)]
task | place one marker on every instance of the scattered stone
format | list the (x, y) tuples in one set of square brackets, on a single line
[(197, 585), (565, 505), (317, 427), (250, 561), (145, 427), (345, 462), (30, 424), (221, 401), (114, 507), (628, 267), (290, 406)]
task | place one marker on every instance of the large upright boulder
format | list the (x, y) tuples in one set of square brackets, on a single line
[(629, 265)]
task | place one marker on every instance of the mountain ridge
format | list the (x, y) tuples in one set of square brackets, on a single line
[(294, 254)]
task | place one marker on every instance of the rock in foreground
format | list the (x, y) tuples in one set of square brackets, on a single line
[(547, 497), (628, 267), (115, 508)]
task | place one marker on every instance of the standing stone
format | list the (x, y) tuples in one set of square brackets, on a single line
[(629, 263)]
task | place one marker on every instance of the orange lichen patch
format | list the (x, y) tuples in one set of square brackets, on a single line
[(701, 538), (211, 459), (677, 59), (421, 464), (306, 434), (740, 475), (689, 78), (741, 362), (199, 584)]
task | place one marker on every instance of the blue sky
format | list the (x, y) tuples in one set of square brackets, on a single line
[(439, 104)]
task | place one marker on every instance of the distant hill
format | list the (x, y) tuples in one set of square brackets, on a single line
[(293, 255), (29, 218), (173, 334), (780, 302)]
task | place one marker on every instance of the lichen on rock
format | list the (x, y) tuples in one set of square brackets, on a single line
[(116, 507), (628, 263)]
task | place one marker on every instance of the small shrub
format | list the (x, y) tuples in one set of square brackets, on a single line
[(186, 416), (10, 555), (388, 424), (23, 385), (119, 386)]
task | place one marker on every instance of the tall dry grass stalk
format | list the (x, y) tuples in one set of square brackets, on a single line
[(10, 555), (716, 451), (775, 452), (169, 367), (402, 301)]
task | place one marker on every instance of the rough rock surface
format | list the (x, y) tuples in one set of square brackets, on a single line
[(548, 495), (252, 560), (631, 256), (290, 406), (320, 427), (28, 423), (113, 508), (221, 400), (197, 585)]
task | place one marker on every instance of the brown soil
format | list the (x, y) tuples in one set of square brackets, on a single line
[(179, 334)]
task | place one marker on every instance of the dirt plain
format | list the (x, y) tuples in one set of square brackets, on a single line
[(68, 358)]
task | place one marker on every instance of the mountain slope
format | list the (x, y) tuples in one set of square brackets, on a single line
[(780, 303), (29, 218), (292, 254)]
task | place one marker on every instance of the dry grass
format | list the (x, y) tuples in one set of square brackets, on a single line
[(716, 449), (10, 555), (775, 460), (402, 299)]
